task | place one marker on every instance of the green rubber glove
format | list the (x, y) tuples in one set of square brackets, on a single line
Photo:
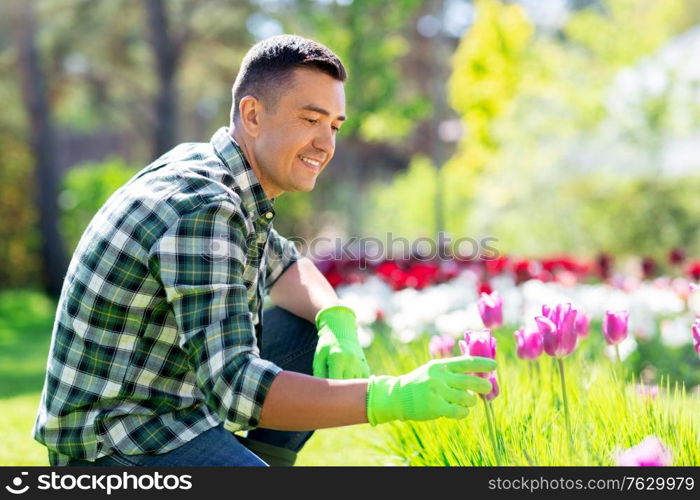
[(338, 352), (439, 388)]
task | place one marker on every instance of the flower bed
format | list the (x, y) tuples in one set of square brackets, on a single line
[(618, 383)]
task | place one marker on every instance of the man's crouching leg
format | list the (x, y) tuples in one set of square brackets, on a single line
[(290, 342)]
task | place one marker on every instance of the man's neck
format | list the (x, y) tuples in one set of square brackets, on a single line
[(245, 146)]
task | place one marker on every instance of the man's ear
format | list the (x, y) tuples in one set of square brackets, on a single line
[(249, 110)]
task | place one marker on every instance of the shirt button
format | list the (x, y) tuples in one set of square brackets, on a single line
[(268, 215)]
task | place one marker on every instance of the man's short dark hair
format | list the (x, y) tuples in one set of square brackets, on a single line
[(268, 66)]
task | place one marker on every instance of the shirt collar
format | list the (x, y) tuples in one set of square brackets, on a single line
[(246, 182)]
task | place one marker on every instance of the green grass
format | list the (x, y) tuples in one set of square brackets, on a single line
[(17, 447), (606, 415), (347, 446), (26, 319), (529, 409)]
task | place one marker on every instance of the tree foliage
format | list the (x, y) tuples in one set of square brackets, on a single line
[(488, 68), (85, 189), (19, 238), (552, 156)]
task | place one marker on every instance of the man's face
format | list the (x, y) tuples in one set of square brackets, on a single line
[(296, 138)]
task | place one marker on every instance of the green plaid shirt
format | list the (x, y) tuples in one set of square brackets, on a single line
[(155, 338)]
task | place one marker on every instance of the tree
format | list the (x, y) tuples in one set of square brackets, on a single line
[(167, 52), (43, 143)]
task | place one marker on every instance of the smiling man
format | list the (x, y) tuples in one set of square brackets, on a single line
[(161, 351)]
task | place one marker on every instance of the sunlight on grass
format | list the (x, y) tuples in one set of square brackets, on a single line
[(17, 446), (352, 445)]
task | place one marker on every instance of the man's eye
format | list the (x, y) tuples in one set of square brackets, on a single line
[(311, 120)]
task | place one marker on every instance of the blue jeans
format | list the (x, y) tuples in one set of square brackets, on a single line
[(288, 341)]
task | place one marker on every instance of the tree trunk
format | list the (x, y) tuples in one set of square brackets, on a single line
[(166, 52), (43, 145)]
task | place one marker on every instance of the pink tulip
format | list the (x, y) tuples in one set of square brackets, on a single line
[(441, 346), (479, 343), (582, 325), (491, 309), (495, 391), (696, 336), (557, 328), (529, 343), (615, 326), (651, 453), (649, 392)]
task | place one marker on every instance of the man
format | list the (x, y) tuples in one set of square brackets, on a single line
[(160, 350)]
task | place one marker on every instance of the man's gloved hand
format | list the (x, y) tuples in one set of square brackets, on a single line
[(439, 388), (338, 353)]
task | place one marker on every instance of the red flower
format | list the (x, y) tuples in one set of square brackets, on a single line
[(676, 256), (693, 269), (496, 266), (649, 268), (392, 274), (421, 275), (604, 264), (380, 315), (524, 270), (566, 263), (334, 278), (484, 287)]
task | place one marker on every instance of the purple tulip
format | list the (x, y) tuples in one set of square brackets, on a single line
[(696, 336), (491, 309), (615, 326), (650, 453), (529, 343), (441, 346), (557, 328), (582, 325), (495, 391)]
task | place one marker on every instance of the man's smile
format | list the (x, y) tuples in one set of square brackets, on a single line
[(315, 164)]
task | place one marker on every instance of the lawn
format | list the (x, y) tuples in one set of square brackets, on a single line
[(26, 319)]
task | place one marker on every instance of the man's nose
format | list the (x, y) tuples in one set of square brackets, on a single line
[(325, 141)]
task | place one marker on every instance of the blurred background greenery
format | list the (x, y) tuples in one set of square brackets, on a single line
[(552, 125)]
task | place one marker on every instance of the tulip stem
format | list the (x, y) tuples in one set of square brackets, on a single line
[(566, 404), (492, 431), (620, 374)]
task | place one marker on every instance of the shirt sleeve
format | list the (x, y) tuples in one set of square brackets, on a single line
[(280, 253), (200, 262)]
